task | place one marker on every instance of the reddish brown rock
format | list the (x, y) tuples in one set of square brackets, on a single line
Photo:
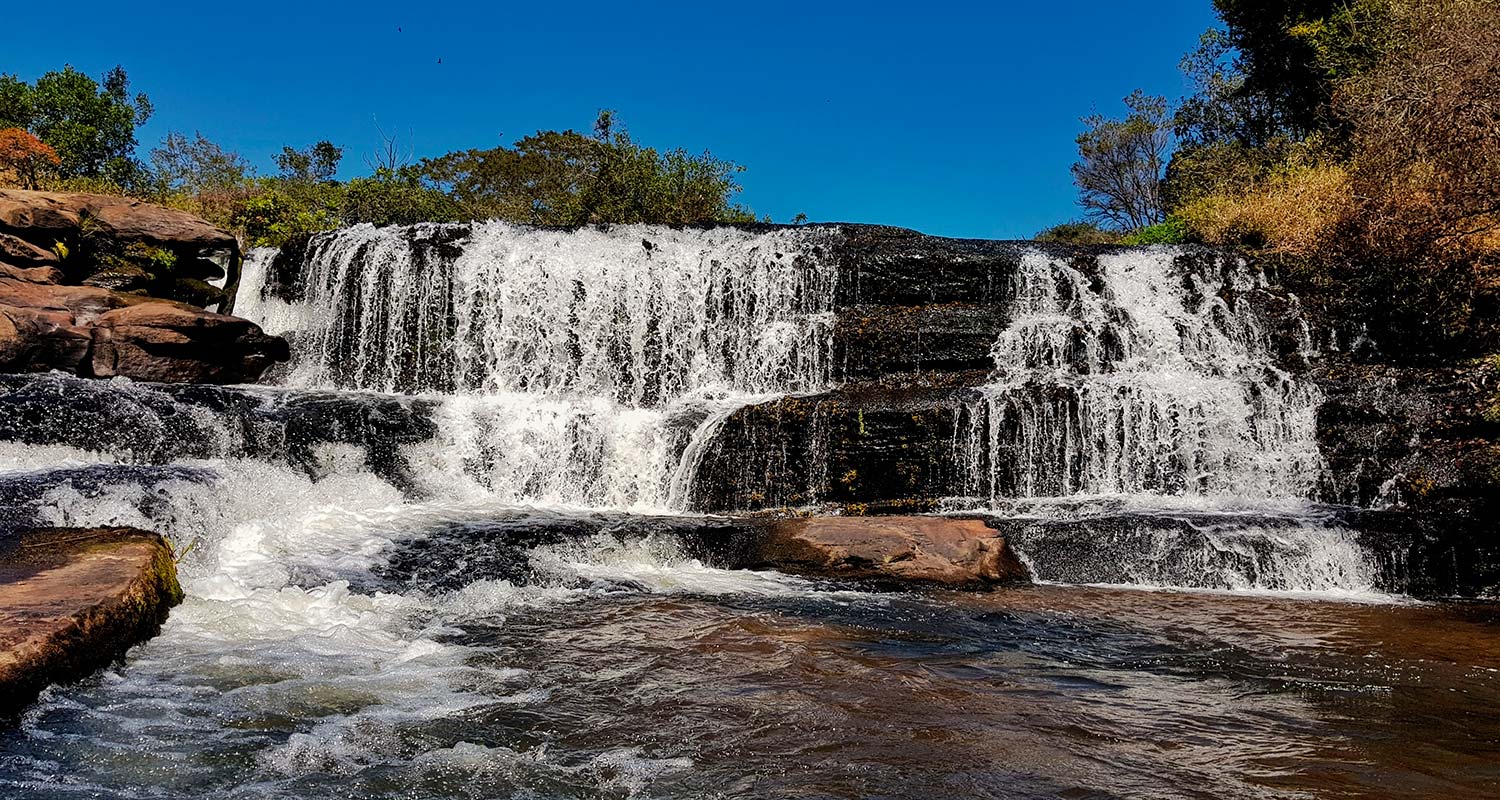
[(94, 332), (175, 343), (35, 216), (73, 600), (31, 274), (936, 550), (19, 251)]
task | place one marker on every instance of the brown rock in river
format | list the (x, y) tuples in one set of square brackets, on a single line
[(937, 550), (126, 297), (73, 600), (175, 343)]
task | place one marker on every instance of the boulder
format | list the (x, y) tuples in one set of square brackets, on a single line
[(174, 343), (19, 251), (120, 243), (124, 294), (74, 600), (910, 549), (94, 332)]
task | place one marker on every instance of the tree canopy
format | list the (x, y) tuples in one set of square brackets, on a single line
[(90, 124)]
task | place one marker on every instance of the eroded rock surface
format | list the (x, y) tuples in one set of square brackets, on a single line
[(936, 550), (73, 600), (102, 286)]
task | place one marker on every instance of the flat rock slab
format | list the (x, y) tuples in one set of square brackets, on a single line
[(910, 549), (73, 600)]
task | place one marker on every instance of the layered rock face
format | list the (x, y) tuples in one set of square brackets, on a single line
[(105, 286)]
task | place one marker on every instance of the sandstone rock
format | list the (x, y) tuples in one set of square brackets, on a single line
[(174, 343), (32, 274), (936, 550), (30, 215), (38, 340), (95, 332), (19, 251), (73, 600)]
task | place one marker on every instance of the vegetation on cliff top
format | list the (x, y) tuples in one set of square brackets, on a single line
[(69, 132), (1355, 142)]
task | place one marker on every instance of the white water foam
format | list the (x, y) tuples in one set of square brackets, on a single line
[(1142, 378)]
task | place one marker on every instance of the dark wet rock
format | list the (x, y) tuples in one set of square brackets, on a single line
[(162, 423), (876, 341), (892, 448), (73, 600)]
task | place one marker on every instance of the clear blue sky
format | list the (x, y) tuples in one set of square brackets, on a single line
[(953, 118)]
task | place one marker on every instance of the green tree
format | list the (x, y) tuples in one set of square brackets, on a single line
[(198, 166), (569, 178), (1120, 161), (315, 164), (90, 124)]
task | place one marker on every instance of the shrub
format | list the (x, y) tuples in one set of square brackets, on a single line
[(1078, 232), (1292, 212), (1172, 230), (25, 157)]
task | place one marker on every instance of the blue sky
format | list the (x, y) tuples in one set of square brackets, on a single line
[(952, 118)]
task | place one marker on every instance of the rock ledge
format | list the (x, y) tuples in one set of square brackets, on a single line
[(73, 600)]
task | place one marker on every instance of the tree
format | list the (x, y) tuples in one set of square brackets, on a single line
[(315, 164), (91, 125), (569, 178), (198, 166), (25, 157), (1119, 170)]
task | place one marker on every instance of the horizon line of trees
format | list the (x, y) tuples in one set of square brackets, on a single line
[(70, 132)]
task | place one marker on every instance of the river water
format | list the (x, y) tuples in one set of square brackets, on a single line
[(454, 554)]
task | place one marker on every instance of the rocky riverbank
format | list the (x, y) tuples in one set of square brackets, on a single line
[(74, 600), (103, 286)]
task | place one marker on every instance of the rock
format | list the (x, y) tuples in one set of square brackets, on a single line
[(120, 243), (863, 447), (19, 251), (38, 340), (936, 550), (174, 343), (74, 600), (121, 278), (35, 215), (94, 332), (32, 274)]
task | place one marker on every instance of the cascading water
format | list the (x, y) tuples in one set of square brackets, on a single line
[(377, 607), (1139, 378), (574, 367), (1149, 377)]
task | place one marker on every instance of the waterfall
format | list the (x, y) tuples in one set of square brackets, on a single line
[(572, 367), (1139, 372)]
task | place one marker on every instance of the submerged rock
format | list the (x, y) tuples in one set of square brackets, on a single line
[(73, 600)]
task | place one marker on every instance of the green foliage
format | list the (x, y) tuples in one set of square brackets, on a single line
[(1078, 232), (276, 211), (568, 178), (315, 164), (90, 124), (197, 166), (395, 197), (1172, 230)]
